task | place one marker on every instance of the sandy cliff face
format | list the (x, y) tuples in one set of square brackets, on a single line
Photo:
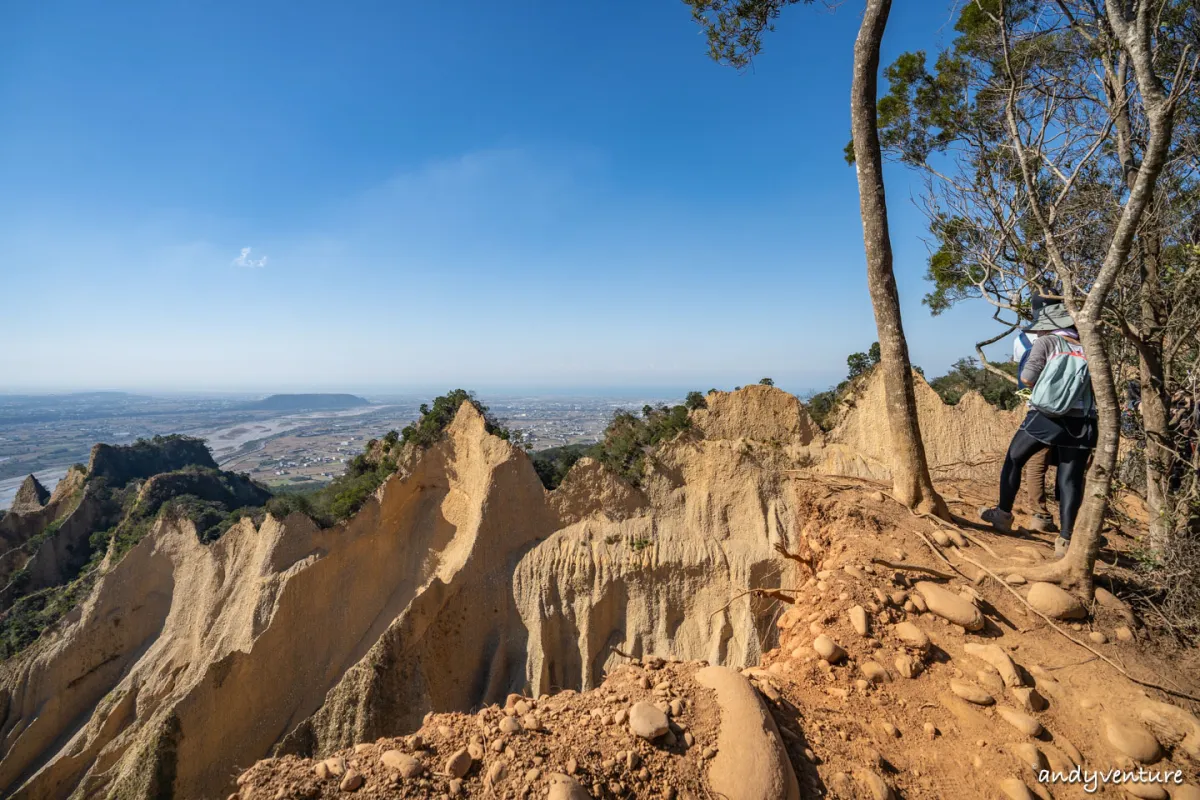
[(463, 580), (756, 412), (967, 440)]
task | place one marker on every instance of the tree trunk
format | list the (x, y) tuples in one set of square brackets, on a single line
[(911, 484), (1134, 34), (1155, 399)]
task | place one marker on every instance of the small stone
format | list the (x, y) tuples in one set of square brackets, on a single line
[(911, 635), (1132, 739), (828, 650), (564, 787), (930, 730), (1022, 722), (907, 666), (708, 753), (336, 766), (971, 693), (1029, 755), (351, 782), (950, 606), (858, 619), (1124, 634), (1055, 602), (530, 722), (889, 729), (990, 680), (408, 766), (459, 763), (874, 672), (321, 770), (998, 659), (455, 787), (1098, 638), (1028, 699), (509, 725), (647, 721), (1107, 599), (496, 773), (1015, 579), (876, 785), (1014, 789), (475, 749), (1146, 791)]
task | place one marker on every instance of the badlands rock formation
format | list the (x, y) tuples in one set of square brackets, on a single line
[(461, 582), (31, 496), (967, 440), (27, 519)]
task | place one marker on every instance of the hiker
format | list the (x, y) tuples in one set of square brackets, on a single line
[(1062, 418), (1041, 461)]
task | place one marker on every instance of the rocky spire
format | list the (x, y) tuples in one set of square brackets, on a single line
[(30, 497)]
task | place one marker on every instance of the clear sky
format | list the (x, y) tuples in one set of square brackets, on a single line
[(302, 194)]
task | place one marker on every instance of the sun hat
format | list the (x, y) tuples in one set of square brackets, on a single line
[(1051, 317)]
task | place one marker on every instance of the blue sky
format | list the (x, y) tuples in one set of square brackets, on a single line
[(496, 195)]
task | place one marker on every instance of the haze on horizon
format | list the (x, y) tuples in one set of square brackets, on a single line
[(305, 197)]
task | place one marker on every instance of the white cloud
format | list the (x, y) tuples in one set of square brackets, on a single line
[(244, 260)]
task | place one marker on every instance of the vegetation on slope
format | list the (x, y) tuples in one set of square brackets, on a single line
[(434, 421), (119, 464), (346, 494), (194, 489), (628, 440), (553, 464)]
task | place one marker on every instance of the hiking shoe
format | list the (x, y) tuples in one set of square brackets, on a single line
[(1043, 523), (1060, 547), (997, 518)]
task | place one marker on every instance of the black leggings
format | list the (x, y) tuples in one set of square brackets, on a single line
[(1072, 469)]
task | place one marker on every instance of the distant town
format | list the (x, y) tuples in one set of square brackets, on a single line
[(284, 440)]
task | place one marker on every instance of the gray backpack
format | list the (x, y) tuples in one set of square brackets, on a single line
[(1065, 383)]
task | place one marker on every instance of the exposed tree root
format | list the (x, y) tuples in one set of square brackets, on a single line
[(1049, 621), (960, 531), (900, 565), (774, 594), (799, 559)]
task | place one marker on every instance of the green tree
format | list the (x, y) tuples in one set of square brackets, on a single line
[(434, 420), (767, 382), (1044, 129), (695, 400), (857, 364)]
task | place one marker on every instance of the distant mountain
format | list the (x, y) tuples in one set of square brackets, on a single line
[(309, 402)]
